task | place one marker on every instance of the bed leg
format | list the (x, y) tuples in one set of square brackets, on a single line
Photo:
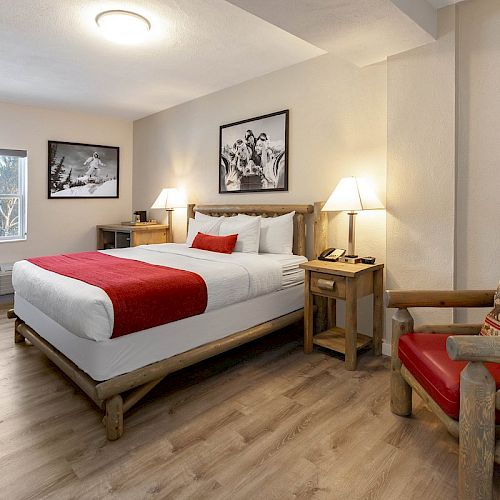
[(18, 338), (114, 418)]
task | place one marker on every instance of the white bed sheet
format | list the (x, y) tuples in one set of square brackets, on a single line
[(109, 358), (87, 311)]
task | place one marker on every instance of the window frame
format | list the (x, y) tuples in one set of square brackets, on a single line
[(21, 195)]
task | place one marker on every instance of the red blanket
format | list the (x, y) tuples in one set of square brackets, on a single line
[(143, 295)]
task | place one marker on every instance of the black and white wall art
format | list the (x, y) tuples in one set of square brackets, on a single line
[(253, 154), (82, 170)]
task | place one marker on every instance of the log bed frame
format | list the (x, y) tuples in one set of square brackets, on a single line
[(117, 395)]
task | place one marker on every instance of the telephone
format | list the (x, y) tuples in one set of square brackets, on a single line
[(331, 254)]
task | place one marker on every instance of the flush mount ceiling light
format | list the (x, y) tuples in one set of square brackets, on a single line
[(123, 26)]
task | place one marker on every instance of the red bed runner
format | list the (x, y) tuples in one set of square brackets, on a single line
[(143, 295)]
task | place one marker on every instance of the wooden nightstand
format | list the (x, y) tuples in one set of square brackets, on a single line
[(121, 236), (349, 282)]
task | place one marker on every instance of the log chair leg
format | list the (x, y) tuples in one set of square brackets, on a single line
[(18, 338), (477, 433), (114, 418), (401, 392)]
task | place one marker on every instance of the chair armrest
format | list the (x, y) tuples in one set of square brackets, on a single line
[(455, 328), (474, 348), (403, 299)]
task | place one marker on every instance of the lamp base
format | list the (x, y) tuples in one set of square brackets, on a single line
[(350, 259)]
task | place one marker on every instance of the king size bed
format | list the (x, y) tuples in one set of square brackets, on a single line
[(117, 322)]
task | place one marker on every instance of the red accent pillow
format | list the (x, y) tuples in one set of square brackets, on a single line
[(221, 244)]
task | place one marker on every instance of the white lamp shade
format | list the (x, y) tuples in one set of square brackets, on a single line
[(170, 198), (352, 194)]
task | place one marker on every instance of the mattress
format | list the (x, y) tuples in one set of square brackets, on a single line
[(87, 311), (108, 358)]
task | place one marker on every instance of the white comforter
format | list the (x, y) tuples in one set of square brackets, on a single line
[(87, 311)]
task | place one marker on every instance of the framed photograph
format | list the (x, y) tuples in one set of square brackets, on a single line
[(253, 154), (83, 170)]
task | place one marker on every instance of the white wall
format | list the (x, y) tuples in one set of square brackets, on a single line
[(421, 167), (56, 226), (478, 168), (444, 159), (438, 135), (337, 129)]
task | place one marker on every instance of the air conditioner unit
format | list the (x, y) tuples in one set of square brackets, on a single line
[(6, 279)]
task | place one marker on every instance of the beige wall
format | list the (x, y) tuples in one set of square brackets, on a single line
[(478, 168), (56, 226)]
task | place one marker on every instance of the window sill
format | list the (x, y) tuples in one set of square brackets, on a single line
[(13, 240)]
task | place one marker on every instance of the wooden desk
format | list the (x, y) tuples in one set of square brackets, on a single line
[(349, 282), (121, 236)]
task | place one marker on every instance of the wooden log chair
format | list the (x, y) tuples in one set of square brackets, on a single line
[(457, 373)]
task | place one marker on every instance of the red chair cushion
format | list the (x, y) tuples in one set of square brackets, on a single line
[(425, 357), (220, 244)]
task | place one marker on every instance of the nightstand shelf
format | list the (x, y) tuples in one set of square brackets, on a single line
[(327, 282), (334, 339)]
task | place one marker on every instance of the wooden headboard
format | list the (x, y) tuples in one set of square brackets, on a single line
[(299, 222)]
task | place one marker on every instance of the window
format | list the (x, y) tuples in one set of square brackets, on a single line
[(12, 195)]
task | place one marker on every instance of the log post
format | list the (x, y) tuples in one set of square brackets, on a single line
[(320, 229), (299, 241), (114, 417), (18, 338), (189, 214), (477, 433), (402, 322)]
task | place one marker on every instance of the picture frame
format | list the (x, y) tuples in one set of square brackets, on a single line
[(253, 154), (78, 170)]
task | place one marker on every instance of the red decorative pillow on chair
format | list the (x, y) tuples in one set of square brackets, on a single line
[(491, 326), (221, 244)]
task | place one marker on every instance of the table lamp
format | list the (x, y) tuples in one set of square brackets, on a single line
[(168, 200), (352, 194)]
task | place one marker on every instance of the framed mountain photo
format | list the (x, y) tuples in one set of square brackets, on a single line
[(253, 154), (78, 170)]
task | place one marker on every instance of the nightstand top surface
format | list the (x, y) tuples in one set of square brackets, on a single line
[(340, 268), (133, 227)]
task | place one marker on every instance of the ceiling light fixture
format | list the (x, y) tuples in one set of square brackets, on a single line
[(123, 26)]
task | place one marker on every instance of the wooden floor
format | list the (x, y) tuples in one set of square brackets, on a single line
[(275, 424)]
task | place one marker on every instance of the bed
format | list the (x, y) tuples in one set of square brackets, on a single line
[(115, 373)]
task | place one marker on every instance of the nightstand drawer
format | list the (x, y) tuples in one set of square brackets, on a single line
[(328, 285)]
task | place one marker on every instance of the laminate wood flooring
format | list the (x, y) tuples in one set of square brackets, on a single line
[(263, 421)]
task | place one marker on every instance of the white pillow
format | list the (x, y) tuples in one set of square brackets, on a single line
[(248, 231), (276, 233), (206, 227), (204, 218)]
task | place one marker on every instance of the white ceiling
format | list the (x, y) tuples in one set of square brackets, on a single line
[(52, 54), (361, 31)]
